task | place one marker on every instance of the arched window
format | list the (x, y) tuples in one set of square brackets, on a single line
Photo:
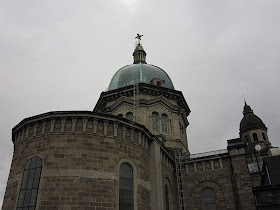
[(164, 123), (263, 135), (129, 116), (30, 184), (155, 118), (255, 137), (126, 187), (166, 197), (181, 129), (209, 199), (120, 115), (246, 139)]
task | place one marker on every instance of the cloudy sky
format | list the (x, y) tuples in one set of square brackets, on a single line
[(60, 55)]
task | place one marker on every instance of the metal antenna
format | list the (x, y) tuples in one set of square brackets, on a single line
[(243, 95), (244, 98)]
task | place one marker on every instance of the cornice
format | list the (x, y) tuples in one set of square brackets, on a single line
[(143, 88), (71, 122)]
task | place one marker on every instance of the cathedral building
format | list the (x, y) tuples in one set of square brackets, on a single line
[(131, 152)]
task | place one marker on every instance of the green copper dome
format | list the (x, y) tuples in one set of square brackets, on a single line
[(139, 72)]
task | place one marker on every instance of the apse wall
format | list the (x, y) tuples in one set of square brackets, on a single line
[(80, 155)]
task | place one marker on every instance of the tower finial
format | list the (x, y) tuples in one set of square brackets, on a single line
[(139, 53), (247, 109), (139, 38), (244, 99)]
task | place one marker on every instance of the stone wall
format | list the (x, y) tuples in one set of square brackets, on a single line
[(169, 179), (243, 179), (211, 172), (81, 155)]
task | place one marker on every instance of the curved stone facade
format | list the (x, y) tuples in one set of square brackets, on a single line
[(81, 154)]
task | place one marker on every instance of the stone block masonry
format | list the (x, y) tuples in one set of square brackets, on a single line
[(81, 155)]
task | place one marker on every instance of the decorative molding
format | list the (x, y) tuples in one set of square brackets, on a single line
[(205, 165), (221, 163), (63, 121), (95, 122), (67, 124), (124, 132), (74, 120), (93, 174), (27, 131), (212, 165), (52, 125), (195, 167), (44, 127), (167, 161), (85, 125), (105, 128), (115, 129)]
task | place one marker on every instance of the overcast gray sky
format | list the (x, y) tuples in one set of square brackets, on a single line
[(60, 55)]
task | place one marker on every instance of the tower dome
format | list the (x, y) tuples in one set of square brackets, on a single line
[(140, 72), (250, 121)]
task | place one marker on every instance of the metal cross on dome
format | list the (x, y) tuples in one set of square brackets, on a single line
[(138, 37)]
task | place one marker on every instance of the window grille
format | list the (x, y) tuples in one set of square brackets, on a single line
[(209, 199), (166, 198), (30, 184), (155, 118), (126, 187)]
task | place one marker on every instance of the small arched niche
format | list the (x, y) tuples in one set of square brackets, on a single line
[(158, 82)]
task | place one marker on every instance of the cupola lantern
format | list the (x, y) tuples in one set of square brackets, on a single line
[(139, 53)]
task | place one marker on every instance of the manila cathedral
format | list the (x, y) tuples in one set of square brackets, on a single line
[(131, 152)]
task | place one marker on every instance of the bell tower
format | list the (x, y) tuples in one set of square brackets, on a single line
[(252, 129)]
